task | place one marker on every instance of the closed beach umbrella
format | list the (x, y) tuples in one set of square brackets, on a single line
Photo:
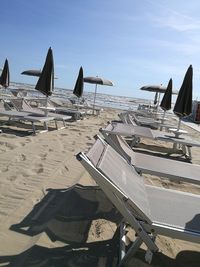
[(183, 105), (45, 82), (36, 73), (97, 80), (167, 98), (78, 89), (5, 75)]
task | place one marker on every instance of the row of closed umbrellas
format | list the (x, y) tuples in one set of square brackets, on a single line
[(45, 84)]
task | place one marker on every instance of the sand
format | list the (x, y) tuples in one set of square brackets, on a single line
[(36, 168)]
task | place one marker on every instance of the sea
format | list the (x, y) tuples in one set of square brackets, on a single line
[(102, 100)]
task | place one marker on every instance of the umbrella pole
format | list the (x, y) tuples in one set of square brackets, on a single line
[(163, 118), (158, 103), (46, 111), (179, 124), (94, 98)]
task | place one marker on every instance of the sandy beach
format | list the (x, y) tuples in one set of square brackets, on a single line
[(36, 170)]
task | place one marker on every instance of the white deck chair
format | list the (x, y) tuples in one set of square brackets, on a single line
[(136, 119), (23, 116), (162, 167), (137, 132), (14, 115), (149, 210), (22, 105)]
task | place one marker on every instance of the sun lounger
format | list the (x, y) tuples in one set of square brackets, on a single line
[(135, 119), (137, 132), (26, 117), (21, 105), (162, 167), (149, 210), (74, 113), (88, 106)]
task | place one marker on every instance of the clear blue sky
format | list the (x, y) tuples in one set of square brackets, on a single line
[(132, 43)]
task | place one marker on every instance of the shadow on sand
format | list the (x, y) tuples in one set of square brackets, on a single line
[(66, 215)]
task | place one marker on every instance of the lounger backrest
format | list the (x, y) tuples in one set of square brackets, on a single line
[(123, 175), (95, 152), (123, 117), (120, 146), (4, 105), (127, 129), (17, 103)]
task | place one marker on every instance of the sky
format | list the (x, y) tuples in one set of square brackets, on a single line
[(130, 42)]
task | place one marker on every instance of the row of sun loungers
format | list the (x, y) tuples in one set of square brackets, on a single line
[(138, 132), (33, 116), (135, 118), (149, 210)]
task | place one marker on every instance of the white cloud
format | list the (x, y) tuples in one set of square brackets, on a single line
[(181, 20), (177, 22)]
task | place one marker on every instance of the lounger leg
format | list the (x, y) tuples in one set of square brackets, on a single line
[(189, 153), (135, 141), (175, 146), (132, 250), (122, 240), (64, 124), (56, 123), (33, 126), (184, 150), (46, 126), (149, 253)]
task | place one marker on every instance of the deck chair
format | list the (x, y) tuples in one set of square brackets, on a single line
[(87, 106), (76, 114), (137, 119), (22, 105), (149, 210), (162, 167), (14, 115), (137, 132)]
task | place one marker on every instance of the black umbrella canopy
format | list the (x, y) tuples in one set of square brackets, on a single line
[(45, 82), (78, 89), (183, 105), (36, 73), (5, 75), (167, 98)]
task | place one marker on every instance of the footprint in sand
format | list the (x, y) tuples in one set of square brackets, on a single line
[(89, 144), (64, 134), (75, 130), (12, 178), (8, 145), (89, 138), (21, 157), (5, 169), (43, 156), (39, 168)]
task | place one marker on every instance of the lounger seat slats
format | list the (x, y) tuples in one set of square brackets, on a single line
[(162, 167), (175, 209), (149, 210), (120, 172)]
